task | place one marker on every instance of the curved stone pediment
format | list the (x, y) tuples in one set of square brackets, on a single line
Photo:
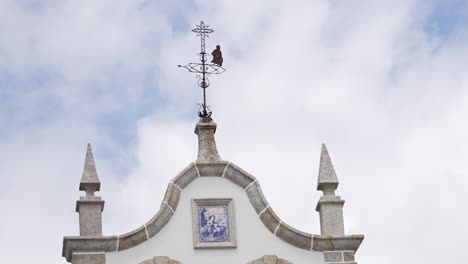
[(232, 173), (239, 177), (209, 164)]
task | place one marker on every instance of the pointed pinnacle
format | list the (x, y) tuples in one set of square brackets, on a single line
[(89, 181), (327, 180)]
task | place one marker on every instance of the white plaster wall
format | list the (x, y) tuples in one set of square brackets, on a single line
[(253, 238)]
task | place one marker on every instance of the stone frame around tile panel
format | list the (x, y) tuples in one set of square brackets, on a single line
[(229, 202)]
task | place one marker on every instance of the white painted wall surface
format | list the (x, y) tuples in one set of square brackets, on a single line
[(253, 239)]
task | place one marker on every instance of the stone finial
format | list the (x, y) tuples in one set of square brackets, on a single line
[(90, 207), (330, 206), (327, 180), (90, 182), (207, 151)]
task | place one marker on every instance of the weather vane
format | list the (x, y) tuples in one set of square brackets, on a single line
[(205, 69)]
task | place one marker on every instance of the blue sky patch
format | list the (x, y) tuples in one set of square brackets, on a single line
[(447, 18)]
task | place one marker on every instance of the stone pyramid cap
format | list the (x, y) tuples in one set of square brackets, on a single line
[(327, 179), (89, 180)]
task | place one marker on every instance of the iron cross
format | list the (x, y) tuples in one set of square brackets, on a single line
[(203, 69)]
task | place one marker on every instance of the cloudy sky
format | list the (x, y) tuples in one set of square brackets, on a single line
[(383, 83)]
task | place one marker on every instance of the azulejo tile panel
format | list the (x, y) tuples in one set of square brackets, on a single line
[(213, 223)]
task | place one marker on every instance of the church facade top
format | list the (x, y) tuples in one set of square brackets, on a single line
[(212, 212)]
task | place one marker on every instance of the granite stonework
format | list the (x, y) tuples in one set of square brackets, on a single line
[(333, 256), (132, 238), (158, 221), (79, 244), (335, 245), (255, 194), (348, 255), (213, 169), (90, 182), (238, 176), (90, 217), (294, 237), (330, 209), (330, 206), (160, 260), (270, 219), (90, 207), (185, 177), (207, 151), (336, 257), (172, 195), (84, 258), (269, 259)]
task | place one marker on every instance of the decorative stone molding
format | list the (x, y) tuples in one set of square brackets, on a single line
[(91, 245), (294, 237), (238, 176), (213, 169), (76, 244), (158, 221), (337, 257), (171, 197), (132, 238), (160, 260), (235, 175), (150, 229), (269, 259), (256, 198), (85, 258), (270, 219), (188, 175), (334, 243)]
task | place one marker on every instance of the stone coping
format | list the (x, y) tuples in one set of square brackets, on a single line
[(235, 175)]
